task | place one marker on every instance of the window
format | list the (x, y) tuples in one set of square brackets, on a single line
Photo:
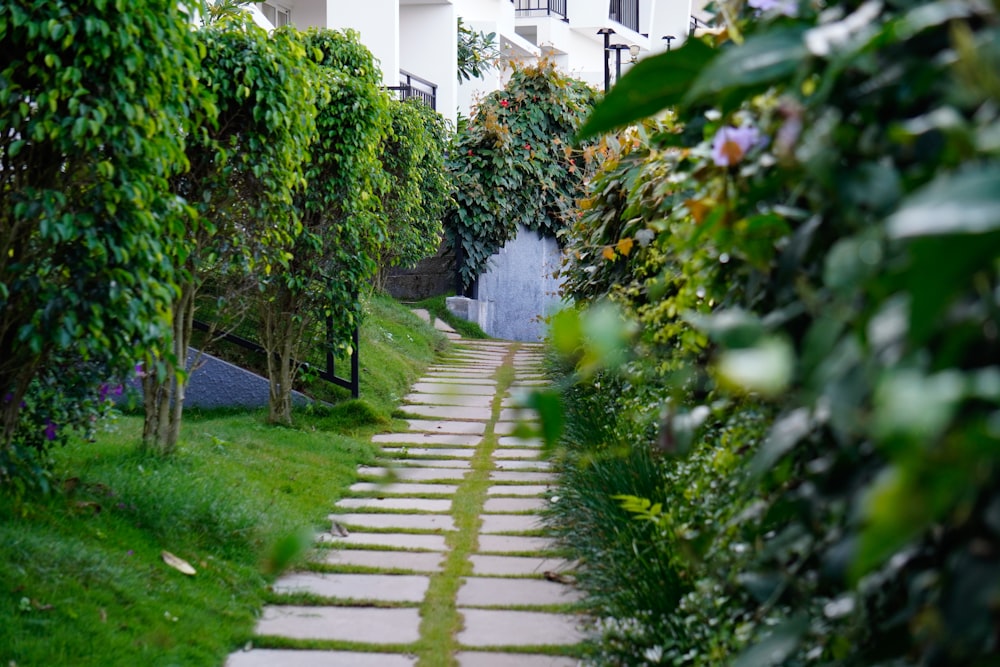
[(277, 15)]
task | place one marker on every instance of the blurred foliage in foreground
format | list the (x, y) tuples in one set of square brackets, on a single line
[(783, 385)]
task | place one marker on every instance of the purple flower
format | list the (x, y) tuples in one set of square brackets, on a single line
[(786, 7), (102, 392), (732, 143), (8, 397), (50, 430)]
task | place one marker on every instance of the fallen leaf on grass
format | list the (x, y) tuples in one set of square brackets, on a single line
[(178, 564)]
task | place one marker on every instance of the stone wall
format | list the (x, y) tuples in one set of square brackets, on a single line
[(431, 277)]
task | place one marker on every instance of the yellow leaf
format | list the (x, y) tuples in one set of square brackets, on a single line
[(178, 564), (608, 252), (699, 209), (625, 246)]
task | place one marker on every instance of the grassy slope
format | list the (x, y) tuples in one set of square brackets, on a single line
[(81, 578)]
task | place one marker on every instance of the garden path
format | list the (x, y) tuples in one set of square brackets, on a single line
[(438, 558)]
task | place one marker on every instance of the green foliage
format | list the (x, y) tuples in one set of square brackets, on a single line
[(478, 52), (333, 255), (416, 191), (809, 249), (513, 163), (95, 106)]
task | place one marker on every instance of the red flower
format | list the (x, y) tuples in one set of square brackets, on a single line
[(527, 147), (504, 103), (470, 151)]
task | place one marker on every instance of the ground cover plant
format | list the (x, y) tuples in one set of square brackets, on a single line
[(84, 581), (790, 294)]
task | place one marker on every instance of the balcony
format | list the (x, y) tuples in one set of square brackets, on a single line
[(528, 8), (625, 12), (411, 85)]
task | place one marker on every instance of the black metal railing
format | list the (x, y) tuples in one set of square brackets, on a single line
[(697, 23), (411, 85), (353, 384), (625, 12), (541, 8)]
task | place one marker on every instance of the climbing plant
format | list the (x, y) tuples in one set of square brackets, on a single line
[(807, 258), (333, 255), (478, 52), (514, 163), (96, 102)]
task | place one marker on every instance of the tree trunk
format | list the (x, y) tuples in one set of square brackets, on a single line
[(283, 330)]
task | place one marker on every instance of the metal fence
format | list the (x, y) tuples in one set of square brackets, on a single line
[(541, 8), (625, 12), (411, 85)]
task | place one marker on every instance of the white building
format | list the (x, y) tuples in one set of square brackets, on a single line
[(416, 40)]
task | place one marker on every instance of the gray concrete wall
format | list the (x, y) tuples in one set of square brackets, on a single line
[(518, 288), (215, 383), (430, 277)]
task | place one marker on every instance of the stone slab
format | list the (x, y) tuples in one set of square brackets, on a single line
[(392, 540), (511, 441), (510, 523), (513, 565), (523, 465), (454, 388), (515, 453), (464, 453), (485, 659), (356, 624), (389, 560), (415, 504), (501, 505), (432, 522), (451, 427), (504, 428), (516, 476), (404, 489), (424, 438), (383, 587), (494, 627), (463, 464), (518, 414), (516, 490), (447, 411), (505, 544), (506, 592), (448, 381), (268, 657), (460, 400), (417, 474)]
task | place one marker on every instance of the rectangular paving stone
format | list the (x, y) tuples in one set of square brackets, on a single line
[(415, 504), (451, 427), (415, 474), (464, 452), (505, 544), (273, 657), (447, 411), (515, 453), (486, 659), (463, 464), (447, 380), (517, 490), (454, 388), (510, 523), (520, 476), (392, 540), (517, 414), (536, 465), (495, 627), (404, 489), (473, 401), (383, 587), (415, 561), (406, 521), (357, 624), (483, 564), (424, 438), (501, 505), (506, 592), (511, 441)]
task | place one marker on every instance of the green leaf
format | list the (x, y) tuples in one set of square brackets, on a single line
[(760, 60), (963, 203), (775, 647), (552, 416), (652, 85)]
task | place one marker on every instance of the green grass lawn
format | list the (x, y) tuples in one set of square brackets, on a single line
[(82, 580)]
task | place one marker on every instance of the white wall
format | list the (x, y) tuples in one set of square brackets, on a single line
[(428, 39), (378, 23)]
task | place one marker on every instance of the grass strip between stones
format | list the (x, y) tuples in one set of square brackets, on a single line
[(440, 619)]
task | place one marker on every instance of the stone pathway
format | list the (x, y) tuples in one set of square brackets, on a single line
[(439, 557)]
